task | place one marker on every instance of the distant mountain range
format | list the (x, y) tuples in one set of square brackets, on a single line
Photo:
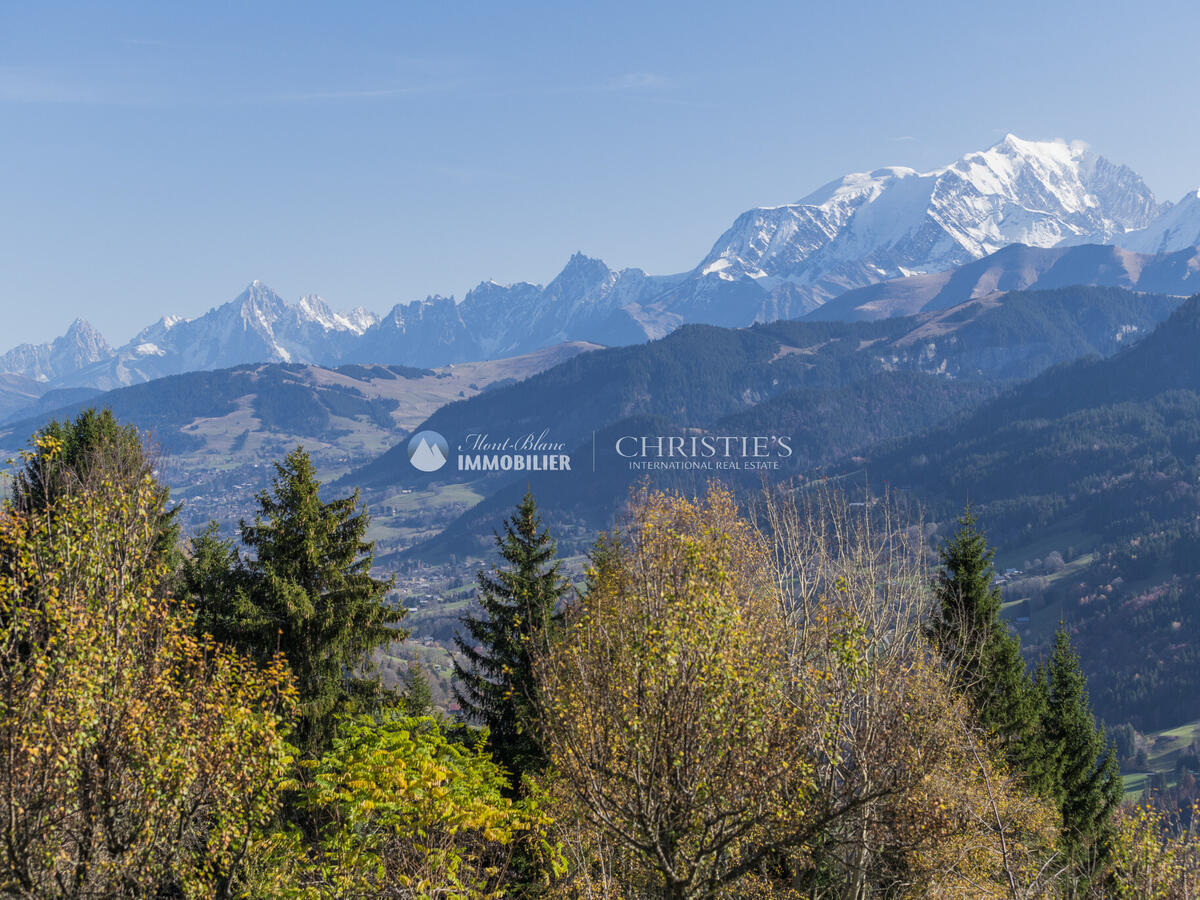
[(81, 346), (773, 263), (797, 377)]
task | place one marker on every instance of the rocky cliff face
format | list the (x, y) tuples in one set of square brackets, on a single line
[(81, 346)]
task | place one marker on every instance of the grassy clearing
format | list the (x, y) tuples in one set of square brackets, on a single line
[(1067, 572), (1071, 533), (436, 496), (1165, 749)]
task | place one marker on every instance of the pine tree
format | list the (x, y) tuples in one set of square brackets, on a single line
[(968, 605), (1044, 724), (417, 694), (305, 591), (1087, 784), (984, 656), (519, 604)]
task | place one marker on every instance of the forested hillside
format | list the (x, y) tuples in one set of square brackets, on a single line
[(699, 375), (216, 432), (1095, 462)]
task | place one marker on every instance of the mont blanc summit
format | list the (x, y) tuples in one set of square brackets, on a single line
[(895, 221)]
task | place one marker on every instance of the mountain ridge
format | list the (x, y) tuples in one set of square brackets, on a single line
[(1019, 267), (773, 262)]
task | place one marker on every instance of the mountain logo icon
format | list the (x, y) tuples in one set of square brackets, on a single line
[(427, 451)]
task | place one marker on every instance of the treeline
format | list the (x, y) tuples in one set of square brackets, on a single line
[(774, 702)]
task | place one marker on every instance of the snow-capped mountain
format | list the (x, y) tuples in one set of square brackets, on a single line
[(773, 262), (495, 320), (427, 332), (256, 326), (893, 222), (785, 261), (315, 310), (586, 296), (81, 346)]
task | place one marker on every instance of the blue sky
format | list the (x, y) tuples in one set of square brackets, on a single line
[(156, 157)]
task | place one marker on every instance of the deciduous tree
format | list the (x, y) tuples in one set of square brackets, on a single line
[(910, 799), (667, 706), (136, 759), (399, 810)]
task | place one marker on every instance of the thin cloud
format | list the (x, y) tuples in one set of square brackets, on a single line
[(383, 93), (643, 87), (22, 84), (904, 138), (147, 42), (635, 81)]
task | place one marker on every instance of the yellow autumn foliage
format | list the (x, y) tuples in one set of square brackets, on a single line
[(134, 757)]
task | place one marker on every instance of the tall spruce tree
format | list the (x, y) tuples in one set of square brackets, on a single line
[(519, 602), (1087, 783), (984, 656), (304, 590)]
